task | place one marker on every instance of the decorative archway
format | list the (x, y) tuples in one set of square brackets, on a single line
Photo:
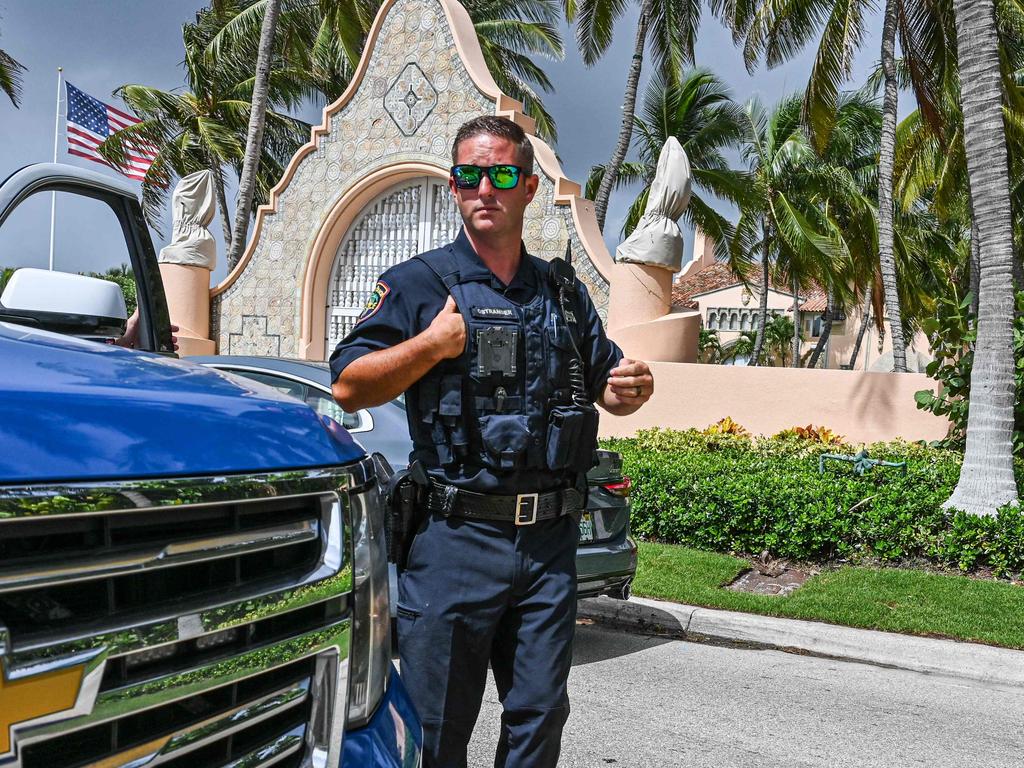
[(372, 138)]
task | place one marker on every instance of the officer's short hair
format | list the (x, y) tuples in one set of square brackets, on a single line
[(496, 126)]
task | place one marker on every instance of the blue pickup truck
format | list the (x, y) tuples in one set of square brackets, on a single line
[(192, 567)]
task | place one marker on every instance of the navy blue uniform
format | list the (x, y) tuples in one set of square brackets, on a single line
[(485, 591)]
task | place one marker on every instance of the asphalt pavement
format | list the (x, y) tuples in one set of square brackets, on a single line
[(643, 701)]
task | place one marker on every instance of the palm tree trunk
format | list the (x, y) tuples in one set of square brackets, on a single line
[(986, 478), (762, 300), (864, 321), (975, 267), (611, 171), (795, 362), (222, 204), (826, 331), (885, 204), (254, 139)]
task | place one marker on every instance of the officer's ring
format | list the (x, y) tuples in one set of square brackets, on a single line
[(638, 391)]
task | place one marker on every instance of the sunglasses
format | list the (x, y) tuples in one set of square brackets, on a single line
[(501, 176)]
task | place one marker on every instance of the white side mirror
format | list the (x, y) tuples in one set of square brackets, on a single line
[(65, 303)]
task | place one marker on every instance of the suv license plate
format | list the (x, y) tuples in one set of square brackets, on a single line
[(586, 528)]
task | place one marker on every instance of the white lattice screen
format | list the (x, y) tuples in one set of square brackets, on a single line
[(404, 221)]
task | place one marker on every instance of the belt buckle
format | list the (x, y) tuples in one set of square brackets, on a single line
[(531, 501)]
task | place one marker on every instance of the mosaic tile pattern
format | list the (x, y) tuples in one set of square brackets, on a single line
[(260, 312), (410, 99)]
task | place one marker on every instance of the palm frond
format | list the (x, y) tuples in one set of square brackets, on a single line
[(595, 25), (11, 77), (840, 39)]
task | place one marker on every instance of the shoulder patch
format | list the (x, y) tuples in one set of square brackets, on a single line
[(377, 296)]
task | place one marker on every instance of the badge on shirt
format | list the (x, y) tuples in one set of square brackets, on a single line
[(377, 296)]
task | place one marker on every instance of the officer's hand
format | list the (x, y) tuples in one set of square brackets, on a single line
[(448, 331), (632, 382)]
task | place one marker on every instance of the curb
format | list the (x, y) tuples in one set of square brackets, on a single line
[(986, 664)]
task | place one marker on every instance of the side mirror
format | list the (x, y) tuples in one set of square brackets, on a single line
[(64, 303)]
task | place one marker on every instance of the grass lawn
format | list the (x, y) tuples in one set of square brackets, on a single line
[(891, 599)]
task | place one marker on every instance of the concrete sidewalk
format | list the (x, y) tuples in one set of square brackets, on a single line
[(949, 658)]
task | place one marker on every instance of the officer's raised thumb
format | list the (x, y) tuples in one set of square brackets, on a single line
[(450, 305)]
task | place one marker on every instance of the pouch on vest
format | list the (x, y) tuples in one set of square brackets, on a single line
[(440, 406), (505, 439), (572, 437)]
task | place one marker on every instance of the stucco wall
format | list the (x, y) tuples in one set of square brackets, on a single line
[(733, 297), (864, 407), (870, 358), (260, 307), (841, 341)]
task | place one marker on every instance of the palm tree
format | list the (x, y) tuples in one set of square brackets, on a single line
[(709, 348), (776, 341), (777, 334), (254, 134), (778, 30), (783, 219), (986, 478), (699, 113), (669, 25), (205, 127)]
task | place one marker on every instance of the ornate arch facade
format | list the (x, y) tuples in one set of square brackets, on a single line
[(421, 76)]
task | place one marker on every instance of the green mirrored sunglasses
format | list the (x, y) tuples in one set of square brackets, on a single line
[(501, 176)]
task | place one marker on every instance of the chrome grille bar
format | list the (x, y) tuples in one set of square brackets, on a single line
[(175, 554)]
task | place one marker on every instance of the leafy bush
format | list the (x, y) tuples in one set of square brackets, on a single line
[(952, 333), (125, 279), (812, 433), (729, 493), (725, 426)]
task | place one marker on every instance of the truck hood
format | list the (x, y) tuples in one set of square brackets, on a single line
[(79, 410)]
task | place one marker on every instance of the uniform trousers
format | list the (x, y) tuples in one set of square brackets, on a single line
[(476, 592)]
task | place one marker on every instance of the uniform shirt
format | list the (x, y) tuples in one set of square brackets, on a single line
[(409, 296)]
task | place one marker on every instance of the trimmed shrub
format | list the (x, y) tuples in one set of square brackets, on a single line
[(731, 493)]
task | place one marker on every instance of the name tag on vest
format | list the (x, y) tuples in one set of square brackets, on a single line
[(486, 313)]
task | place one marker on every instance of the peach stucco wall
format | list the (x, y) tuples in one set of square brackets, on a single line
[(733, 297), (863, 407)]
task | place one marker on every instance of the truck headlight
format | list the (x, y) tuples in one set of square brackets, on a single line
[(370, 656)]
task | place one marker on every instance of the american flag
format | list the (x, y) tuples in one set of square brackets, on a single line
[(90, 122)]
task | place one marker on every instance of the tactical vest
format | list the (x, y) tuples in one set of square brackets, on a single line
[(506, 403)]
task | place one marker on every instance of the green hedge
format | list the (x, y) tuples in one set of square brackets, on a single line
[(735, 494)]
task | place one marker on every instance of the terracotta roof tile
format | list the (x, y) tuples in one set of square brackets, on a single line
[(715, 277)]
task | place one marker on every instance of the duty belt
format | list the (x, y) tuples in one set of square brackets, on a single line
[(521, 509)]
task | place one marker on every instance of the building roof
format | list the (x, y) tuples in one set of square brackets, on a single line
[(718, 276)]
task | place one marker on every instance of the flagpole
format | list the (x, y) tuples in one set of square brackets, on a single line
[(56, 135)]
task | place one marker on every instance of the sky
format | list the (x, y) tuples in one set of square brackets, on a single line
[(103, 44)]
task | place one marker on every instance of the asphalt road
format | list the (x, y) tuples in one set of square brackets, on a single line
[(642, 701)]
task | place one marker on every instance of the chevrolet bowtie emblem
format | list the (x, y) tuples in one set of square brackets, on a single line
[(35, 697), (45, 690)]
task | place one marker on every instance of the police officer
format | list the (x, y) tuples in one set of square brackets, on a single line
[(500, 361)]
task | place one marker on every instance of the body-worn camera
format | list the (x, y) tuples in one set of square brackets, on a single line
[(496, 351)]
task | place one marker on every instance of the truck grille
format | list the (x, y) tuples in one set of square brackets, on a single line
[(219, 726), (66, 575), (210, 617)]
